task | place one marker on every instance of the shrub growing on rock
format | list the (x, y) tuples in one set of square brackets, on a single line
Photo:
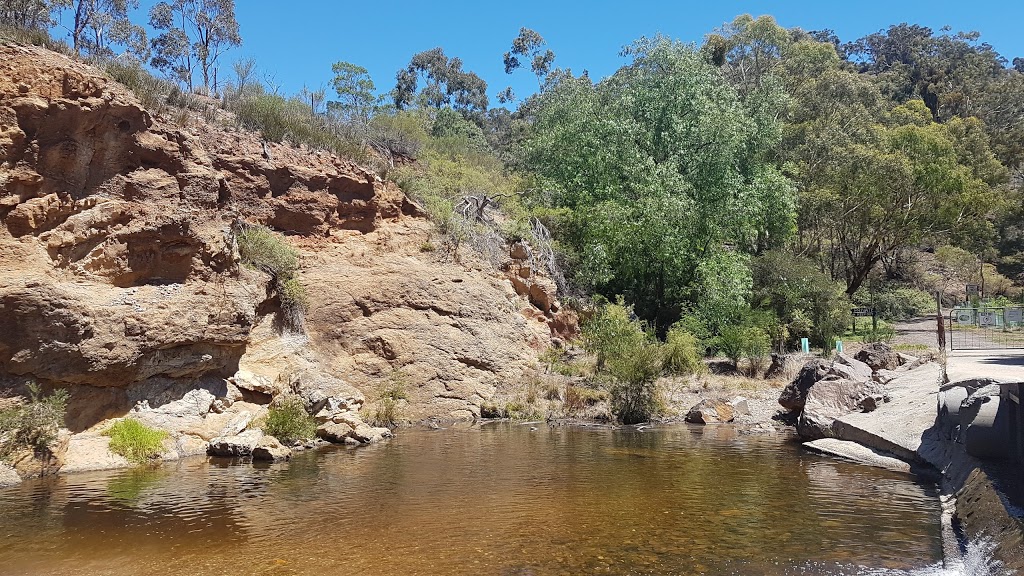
[(33, 424), (289, 422), (389, 394), (135, 441), (263, 250)]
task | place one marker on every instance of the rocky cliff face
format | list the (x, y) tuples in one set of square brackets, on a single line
[(119, 279)]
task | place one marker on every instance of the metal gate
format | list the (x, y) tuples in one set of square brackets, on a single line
[(986, 328)]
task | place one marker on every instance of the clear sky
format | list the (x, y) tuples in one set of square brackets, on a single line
[(296, 41)]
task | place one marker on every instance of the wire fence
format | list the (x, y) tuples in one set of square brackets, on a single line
[(997, 328)]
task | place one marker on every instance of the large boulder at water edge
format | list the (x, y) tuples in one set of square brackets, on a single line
[(8, 476), (269, 449), (240, 445), (843, 367), (830, 399), (711, 411)]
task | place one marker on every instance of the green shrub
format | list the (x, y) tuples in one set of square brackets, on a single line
[(634, 392), (289, 422), (389, 395), (894, 303), (135, 441), (883, 333), (34, 424), (611, 331), (739, 342), (260, 248), (263, 250), (683, 353)]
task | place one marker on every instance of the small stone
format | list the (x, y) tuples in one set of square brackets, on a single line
[(740, 406), (8, 476)]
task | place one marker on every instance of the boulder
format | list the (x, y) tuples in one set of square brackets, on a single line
[(884, 376), (846, 366), (786, 365), (366, 434), (240, 445), (519, 251), (269, 449), (333, 432), (794, 395), (843, 367), (830, 399), (879, 356), (8, 476), (179, 415), (710, 412), (245, 380), (326, 397)]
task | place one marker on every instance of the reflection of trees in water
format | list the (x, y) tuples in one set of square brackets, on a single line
[(659, 500)]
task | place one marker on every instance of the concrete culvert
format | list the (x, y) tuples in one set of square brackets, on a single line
[(985, 429)]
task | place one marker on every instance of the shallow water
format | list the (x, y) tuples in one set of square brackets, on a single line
[(498, 499)]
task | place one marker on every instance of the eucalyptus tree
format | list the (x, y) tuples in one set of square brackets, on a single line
[(434, 80), (530, 45), (98, 24), (195, 34)]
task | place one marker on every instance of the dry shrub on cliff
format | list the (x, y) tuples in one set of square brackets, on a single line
[(135, 441), (33, 424)]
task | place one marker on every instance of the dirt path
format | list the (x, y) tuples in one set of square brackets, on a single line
[(916, 332)]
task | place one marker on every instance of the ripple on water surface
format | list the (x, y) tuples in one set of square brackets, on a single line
[(501, 499)]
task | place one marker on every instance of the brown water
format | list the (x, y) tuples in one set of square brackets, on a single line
[(498, 499)]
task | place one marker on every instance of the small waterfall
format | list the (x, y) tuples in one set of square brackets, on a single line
[(976, 560)]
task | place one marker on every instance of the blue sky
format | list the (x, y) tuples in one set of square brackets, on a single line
[(296, 42)]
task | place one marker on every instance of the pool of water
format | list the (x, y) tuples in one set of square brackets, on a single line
[(505, 499)]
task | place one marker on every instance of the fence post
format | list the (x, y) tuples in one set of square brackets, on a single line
[(941, 333)]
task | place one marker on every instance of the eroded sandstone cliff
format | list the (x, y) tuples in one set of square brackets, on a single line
[(120, 279)]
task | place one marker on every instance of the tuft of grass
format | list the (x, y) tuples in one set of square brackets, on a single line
[(33, 424), (289, 422), (389, 395), (135, 441)]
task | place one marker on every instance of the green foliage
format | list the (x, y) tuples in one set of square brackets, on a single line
[(629, 356), (682, 352), (288, 421), (634, 392), (739, 342), (433, 80), (355, 90), (389, 395), (664, 170), (263, 250), (806, 301), (193, 35), (135, 441), (297, 120), (896, 303), (34, 424)]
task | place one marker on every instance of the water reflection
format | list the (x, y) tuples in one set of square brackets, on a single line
[(497, 500)]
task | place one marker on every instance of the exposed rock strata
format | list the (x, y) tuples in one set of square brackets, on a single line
[(120, 279)]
